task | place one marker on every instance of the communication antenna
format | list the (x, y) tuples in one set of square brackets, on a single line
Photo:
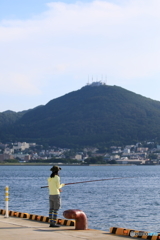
[(106, 79), (88, 80), (102, 78)]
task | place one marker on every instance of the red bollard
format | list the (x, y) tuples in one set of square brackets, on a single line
[(79, 216)]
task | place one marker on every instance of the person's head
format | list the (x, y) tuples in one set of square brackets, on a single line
[(55, 170)]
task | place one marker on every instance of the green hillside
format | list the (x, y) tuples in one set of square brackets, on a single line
[(91, 116), (10, 117)]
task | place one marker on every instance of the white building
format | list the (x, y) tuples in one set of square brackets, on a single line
[(78, 157), (21, 146), (20, 156), (126, 150), (8, 151), (114, 157)]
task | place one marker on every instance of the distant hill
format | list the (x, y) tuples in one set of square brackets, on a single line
[(92, 116), (10, 117)]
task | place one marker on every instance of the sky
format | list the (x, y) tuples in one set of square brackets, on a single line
[(50, 48)]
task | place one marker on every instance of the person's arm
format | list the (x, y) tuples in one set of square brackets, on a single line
[(59, 186), (62, 185)]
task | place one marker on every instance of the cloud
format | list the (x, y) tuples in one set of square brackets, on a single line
[(18, 84), (70, 40)]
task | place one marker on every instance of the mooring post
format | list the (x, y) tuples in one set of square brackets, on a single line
[(6, 200)]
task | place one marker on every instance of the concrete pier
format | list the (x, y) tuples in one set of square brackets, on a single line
[(13, 228)]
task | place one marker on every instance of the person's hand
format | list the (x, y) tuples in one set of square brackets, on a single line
[(60, 190)]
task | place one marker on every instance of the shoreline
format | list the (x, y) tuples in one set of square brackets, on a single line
[(50, 164)]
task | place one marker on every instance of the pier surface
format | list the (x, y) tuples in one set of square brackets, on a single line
[(13, 228)]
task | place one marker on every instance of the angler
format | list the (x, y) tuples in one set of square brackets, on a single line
[(54, 195)]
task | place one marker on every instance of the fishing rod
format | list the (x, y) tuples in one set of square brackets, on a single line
[(92, 181)]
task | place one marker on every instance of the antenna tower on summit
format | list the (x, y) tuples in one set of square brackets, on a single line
[(102, 81)]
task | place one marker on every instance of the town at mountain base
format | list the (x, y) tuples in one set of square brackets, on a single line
[(146, 153)]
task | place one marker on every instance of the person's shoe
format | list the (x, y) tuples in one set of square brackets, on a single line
[(54, 225)]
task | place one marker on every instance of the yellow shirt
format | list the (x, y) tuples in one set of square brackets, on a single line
[(54, 185)]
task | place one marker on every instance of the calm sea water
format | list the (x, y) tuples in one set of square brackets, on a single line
[(129, 202)]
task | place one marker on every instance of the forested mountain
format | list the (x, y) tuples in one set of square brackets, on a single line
[(92, 116), (10, 117)]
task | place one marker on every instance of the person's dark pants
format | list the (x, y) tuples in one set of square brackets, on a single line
[(54, 205)]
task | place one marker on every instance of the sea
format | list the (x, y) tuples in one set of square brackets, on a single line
[(129, 198)]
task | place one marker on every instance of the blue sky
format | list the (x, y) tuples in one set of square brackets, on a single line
[(50, 48)]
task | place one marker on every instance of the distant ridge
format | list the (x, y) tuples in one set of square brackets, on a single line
[(92, 116)]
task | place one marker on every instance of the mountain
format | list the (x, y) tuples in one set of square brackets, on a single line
[(10, 117), (92, 116)]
